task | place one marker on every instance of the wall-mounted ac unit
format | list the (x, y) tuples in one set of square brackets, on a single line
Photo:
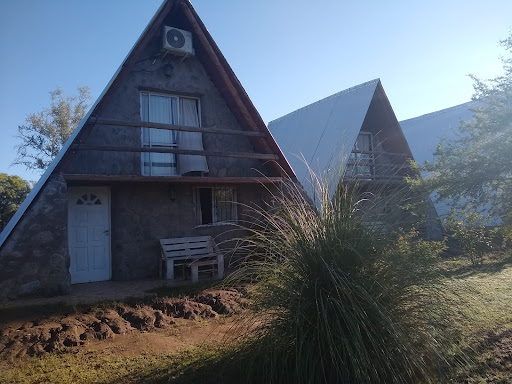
[(178, 41)]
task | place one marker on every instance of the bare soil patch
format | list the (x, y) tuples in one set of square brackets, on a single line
[(154, 325)]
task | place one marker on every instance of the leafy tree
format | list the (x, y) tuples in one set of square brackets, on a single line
[(44, 133), (13, 190), (475, 168)]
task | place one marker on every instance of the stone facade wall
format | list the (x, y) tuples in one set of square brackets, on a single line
[(35, 257), (143, 214), (173, 76)]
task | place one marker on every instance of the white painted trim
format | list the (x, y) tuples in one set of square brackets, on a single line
[(178, 118), (44, 178), (107, 192)]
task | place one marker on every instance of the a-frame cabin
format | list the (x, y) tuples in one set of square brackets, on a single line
[(354, 134), (173, 147), (351, 137)]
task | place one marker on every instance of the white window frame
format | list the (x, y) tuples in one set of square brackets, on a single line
[(215, 219), (174, 133), (354, 158)]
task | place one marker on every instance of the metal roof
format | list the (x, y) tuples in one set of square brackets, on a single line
[(423, 133), (321, 135)]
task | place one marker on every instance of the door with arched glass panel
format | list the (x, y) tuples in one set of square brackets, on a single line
[(89, 234)]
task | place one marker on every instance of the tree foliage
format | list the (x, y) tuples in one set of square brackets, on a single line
[(44, 133), (13, 190), (475, 167)]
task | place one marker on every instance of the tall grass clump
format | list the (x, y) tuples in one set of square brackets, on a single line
[(335, 300)]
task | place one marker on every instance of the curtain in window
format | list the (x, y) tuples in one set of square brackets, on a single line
[(364, 159), (190, 140), (360, 163), (363, 142), (224, 203), (158, 109)]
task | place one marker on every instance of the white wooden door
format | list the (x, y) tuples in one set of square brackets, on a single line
[(89, 234)]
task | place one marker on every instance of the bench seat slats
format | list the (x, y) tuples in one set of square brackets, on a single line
[(191, 252), (187, 240), (173, 246), (187, 252)]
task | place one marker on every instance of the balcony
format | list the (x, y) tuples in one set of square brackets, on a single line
[(377, 167)]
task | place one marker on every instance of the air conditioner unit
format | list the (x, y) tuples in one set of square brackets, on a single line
[(178, 41)]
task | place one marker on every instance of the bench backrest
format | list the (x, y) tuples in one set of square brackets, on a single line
[(188, 246)]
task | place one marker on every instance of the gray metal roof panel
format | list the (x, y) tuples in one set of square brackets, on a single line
[(322, 134), (423, 133)]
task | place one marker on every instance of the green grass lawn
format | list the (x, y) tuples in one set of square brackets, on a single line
[(481, 323), (87, 367), (482, 310)]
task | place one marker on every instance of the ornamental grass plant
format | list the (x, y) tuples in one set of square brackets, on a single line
[(337, 300)]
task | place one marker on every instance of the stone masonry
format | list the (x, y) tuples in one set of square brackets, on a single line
[(35, 258)]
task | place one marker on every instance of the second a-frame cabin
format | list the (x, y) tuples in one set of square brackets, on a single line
[(353, 134), (351, 137), (173, 147)]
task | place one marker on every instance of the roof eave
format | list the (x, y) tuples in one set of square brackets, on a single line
[(242, 94)]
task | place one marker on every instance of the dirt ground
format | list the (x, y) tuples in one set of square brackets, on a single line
[(159, 326), (156, 325)]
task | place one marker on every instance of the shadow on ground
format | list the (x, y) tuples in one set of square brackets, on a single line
[(206, 364), (493, 264)]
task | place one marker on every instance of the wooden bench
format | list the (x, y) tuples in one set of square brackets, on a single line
[(193, 253)]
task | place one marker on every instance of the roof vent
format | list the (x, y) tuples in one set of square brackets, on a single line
[(178, 41)]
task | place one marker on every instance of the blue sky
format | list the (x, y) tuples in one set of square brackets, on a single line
[(286, 53)]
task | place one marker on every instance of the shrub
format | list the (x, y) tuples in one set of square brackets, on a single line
[(468, 228), (334, 302)]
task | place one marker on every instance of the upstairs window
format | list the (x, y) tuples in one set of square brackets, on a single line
[(216, 205), (164, 109), (360, 161)]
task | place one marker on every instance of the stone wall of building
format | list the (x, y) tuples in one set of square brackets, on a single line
[(142, 214), (35, 258), (169, 75)]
